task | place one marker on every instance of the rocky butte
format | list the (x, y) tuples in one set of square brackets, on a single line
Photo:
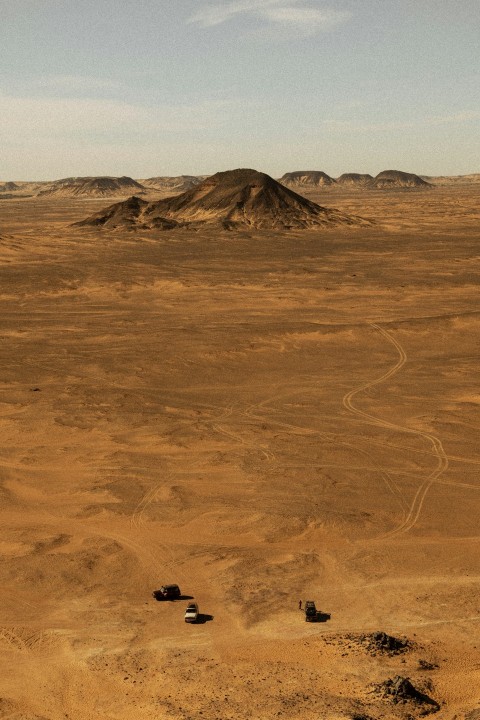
[(398, 179), (93, 187), (236, 198), (299, 178)]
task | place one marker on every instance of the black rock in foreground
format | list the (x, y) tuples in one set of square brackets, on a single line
[(400, 690)]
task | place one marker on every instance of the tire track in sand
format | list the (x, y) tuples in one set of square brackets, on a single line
[(417, 503)]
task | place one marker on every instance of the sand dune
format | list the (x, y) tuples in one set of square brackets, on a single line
[(233, 199)]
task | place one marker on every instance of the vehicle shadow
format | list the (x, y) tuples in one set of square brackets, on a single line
[(203, 618), (323, 617), (160, 598)]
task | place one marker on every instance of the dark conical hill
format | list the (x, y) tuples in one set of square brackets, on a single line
[(234, 198)]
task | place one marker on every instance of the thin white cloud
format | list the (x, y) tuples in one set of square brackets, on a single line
[(296, 15), (305, 19), (217, 13)]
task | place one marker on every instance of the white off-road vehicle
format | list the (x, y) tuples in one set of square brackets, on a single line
[(191, 613)]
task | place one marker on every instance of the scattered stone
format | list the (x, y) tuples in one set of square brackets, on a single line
[(473, 715), (400, 690), (377, 642), (426, 665), (381, 642)]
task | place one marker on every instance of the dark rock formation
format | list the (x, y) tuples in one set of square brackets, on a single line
[(398, 179), (307, 178), (355, 180), (93, 187), (236, 198)]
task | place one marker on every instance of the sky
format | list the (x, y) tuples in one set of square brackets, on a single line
[(170, 87)]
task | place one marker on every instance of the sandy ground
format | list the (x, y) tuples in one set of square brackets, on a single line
[(260, 418)]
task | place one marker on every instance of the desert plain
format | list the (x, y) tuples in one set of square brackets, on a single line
[(261, 417)]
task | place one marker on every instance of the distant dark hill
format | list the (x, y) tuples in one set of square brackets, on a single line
[(302, 178), (397, 179), (128, 214), (236, 198), (14, 196), (93, 187), (180, 183), (9, 187), (355, 180), (473, 178)]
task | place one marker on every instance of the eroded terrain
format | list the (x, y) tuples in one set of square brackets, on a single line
[(261, 418)]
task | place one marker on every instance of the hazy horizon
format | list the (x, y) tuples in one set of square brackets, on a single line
[(151, 88), (186, 174)]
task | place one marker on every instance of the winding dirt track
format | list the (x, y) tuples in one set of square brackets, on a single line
[(417, 503), (192, 424)]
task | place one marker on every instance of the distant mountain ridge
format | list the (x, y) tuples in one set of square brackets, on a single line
[(178, 183), (110, 186), (387, 179), (473, 178), (236, 198)]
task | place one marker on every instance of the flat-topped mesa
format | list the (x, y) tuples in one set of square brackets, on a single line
[(93, 187), (398, 179), (236, 198), (305, 178), (355, 180), (179, 183)]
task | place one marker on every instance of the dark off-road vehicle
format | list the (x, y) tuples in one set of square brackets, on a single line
[(167, 592), (310, 611)]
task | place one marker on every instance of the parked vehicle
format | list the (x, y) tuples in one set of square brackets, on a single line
[(310, 611), (167, 592), (191, 613)]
